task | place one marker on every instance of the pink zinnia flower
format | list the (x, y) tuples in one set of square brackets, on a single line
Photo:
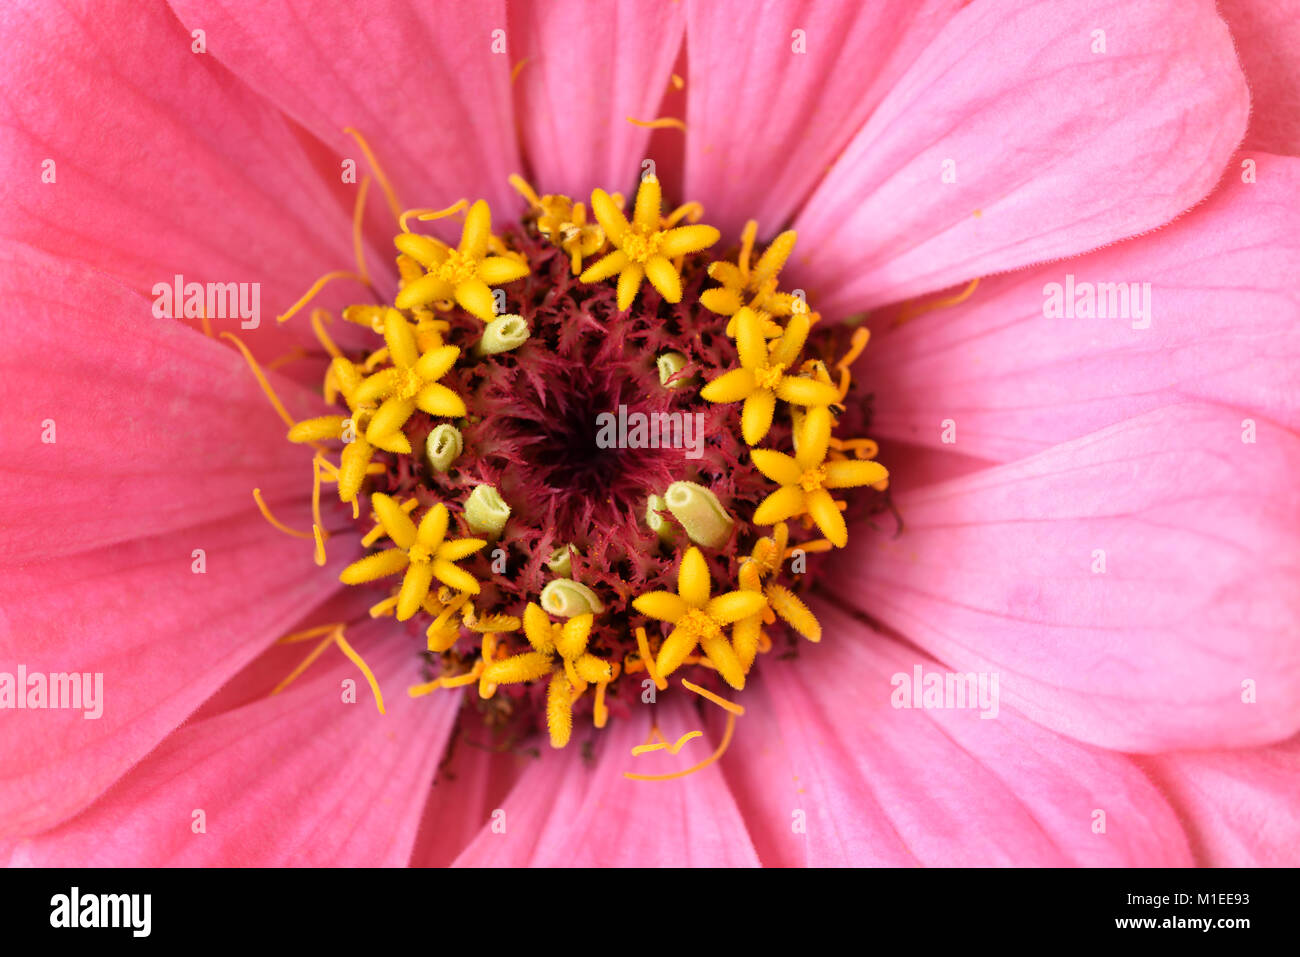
[(1094, 516)]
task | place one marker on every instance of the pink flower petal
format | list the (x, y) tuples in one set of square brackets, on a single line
[(470, 786), (163, 636), (764, 120), (830, 772), (589, 65), (565, 812), (1240, 806), (1267, 35), (1056, 149), (1223, 326), (163, 164), (154, 428), (299, 779), (1195, 609), (422, 83)]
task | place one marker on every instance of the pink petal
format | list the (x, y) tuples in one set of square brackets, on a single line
[(1239, 806), (154, 428), (164, 637), (299, 779), (1057, 150), (472, 783), (1224, 326), (590, 64), (421, 82), (830, 772), (1267, 35), (565, 812), (765, 121), (995, 572), (164, 164)]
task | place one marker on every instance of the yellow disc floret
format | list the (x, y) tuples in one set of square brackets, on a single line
[(425, 553), (763, 375), (463, 274), (643, 249), (699, 619), (806, 479)]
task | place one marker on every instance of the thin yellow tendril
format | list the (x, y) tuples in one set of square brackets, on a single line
[(911, 310), (662, 123), (357, 660), (643, 646), (691, 212), (293, 355), (378, 170), (811, 547), (275, 522), (427, 214), (722, 748), (723, 703), (307, 662), (517, 68), (315, 289), (358, 213), (308, 633), (261, 379), (856, 345), (641, 749)]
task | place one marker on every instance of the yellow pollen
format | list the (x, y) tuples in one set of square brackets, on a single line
[(811, 480), (698, 625), (420, 555), (769, 376), (640, 244)]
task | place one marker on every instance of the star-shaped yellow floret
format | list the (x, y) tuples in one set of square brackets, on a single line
[(756, 287), (762, 377), (766, 559), (699, 619), (424, 552), (643, 249), (464, 273), (579, 667), (806, 478), (411, 383), (357, 452)]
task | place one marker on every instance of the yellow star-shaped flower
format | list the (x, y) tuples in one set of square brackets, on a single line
[(699, 619), (425, 553), (464, 273), (643, 249), (569, 642), (806, 478), (762, 377), (756, 287), (412, 383)]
